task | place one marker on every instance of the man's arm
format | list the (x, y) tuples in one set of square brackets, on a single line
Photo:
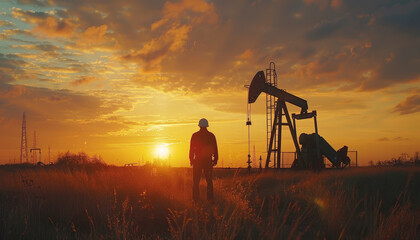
[(215, 151), (192, 148)]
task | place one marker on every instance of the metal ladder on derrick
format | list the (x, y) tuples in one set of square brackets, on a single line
[(271, 78)]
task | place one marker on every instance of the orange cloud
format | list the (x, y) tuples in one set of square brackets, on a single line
[(84, 80), (7, 34), (6, 24), (410, 105), (336, 3), (207, 12), (16, 91), (154, 35), (154, 51), (54, 27), (178, 20), (46, 23), (93, 36), (246, 55), (196, 58)]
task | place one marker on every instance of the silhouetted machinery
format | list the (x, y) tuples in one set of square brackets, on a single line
[(314, 147)]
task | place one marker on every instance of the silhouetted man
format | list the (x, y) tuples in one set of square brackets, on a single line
[(203, 156)]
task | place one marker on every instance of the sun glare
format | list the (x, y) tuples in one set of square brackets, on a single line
[(162, 151)]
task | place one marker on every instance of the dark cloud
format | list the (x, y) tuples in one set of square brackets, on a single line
[(36, 2), (401, 139), (403, 17), (197, 45), (11, 67), (402, 66), (308, 52), (29, 16), (325, 29), (386, 139), (45, 47), (409, 105)]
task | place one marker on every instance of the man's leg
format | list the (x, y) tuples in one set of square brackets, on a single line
[(208, 172), (196, 182)]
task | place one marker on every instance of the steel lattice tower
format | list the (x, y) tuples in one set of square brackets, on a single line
[(271, 78), (24, 142)]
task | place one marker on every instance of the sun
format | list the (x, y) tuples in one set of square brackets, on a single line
[(162, 151)]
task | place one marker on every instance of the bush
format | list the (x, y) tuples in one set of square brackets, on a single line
[(80, 160)]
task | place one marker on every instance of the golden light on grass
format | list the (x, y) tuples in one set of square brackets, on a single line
[(162, 151), (319, 202), (122, 201)]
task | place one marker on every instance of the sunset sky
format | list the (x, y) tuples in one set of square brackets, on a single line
[(123, 79)]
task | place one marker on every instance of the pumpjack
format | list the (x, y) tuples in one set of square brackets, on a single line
[(314, 147)]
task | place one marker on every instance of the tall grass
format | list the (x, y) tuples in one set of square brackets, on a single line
[(139, 203)]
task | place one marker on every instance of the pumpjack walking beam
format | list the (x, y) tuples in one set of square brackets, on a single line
[(259, 85)]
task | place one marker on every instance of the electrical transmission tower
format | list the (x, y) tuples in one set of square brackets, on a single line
[(24, 142)]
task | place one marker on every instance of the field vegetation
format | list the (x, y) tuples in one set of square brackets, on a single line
[(82, 198)]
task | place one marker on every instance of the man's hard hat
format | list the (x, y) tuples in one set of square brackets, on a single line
[(203, 123)]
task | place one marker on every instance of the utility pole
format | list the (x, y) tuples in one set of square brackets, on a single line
[(34, 155), (248, 124), (254, 157)]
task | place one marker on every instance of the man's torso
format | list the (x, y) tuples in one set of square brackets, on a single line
[(203, 144)]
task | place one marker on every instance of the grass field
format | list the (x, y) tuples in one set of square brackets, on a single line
[(142, 203)]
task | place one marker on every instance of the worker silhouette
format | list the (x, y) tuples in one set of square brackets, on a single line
[(203, 156)]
